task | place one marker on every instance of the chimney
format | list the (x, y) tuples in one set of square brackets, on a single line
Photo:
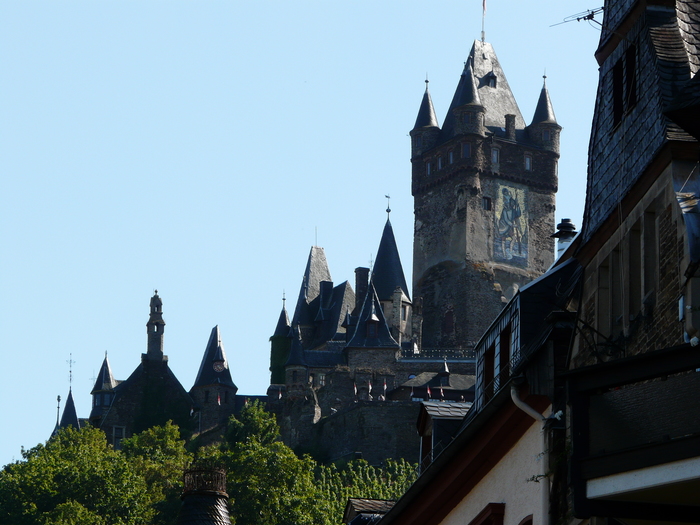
[(361, 285), (566, 231), (510, 127)]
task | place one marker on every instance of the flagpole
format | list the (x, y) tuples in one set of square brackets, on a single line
[(483, 17)]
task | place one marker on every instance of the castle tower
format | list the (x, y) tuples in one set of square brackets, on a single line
[(214, 391), (155, 328), (483, 188), (280, 344)]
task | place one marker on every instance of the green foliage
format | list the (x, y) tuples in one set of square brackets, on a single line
[(254, 422), (75, 476)]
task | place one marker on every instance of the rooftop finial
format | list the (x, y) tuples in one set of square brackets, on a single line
[(388, 202), (58, 408), (70, 370), (284, 299), (483, 18), (544, 76)]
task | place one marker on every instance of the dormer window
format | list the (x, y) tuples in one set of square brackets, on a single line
[(491, 80)]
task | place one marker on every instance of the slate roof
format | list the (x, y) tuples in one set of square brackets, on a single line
[(282, 328), (214, 352), (438, 410), (105, 379), (329, 309), (498, 102), (296, 352), (372, 312), (204, 509), (544, 112), (359, 506), (426, 114), (316, 272), (387, 273), (688, 22), (619, 152), (69, 416), (433, 379)]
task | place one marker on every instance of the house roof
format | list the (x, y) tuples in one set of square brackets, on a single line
[(438, 410), (214, 352), (372, 312), (456, 381), (282, 328), (387, 273), (357, 506), (316, 272)]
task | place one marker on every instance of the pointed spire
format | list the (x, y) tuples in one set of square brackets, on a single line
[(544, 113), (70, 416), (283, 325), (316, 272), (214, 368), (466, 94), (387, 273), (105, 379), (426, 114)]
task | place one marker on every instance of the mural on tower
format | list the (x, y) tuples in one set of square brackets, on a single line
[(511, 244)]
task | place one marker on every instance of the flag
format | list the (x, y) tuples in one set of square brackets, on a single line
[(483, 6), (411, 392), (428, 392), (218, 399), (279, 395), (384, 387), (442, 394), (354, 386), (369, 383)]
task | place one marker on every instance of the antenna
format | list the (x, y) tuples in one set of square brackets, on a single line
[(578, 17)]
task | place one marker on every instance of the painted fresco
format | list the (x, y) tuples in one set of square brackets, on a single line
[(510, 242)]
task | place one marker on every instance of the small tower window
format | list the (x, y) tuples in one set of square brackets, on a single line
[(450, 157), (322, 379), (486, 203), (428, 168), (466, 150), (528, 162), (117, 436), (439, 163), (546, 135), (495, 155), (467, 118), (418, 141)]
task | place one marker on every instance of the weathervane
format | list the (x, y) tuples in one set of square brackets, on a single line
[(388, 207)]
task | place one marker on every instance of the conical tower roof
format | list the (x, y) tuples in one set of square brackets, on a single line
[(316, 271), (387, 273), (544, 113), (70, 416), (105, 379), (214, 368), (426, 114), (372, 312), (283, 325)]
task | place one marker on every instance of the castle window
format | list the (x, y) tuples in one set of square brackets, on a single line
[(624, 84), (486, 203), (428, 168), (418, 142), (495, 155), (466, 150), (491, 80), (467, 118), (117, 436), (322, 379), (439, 163), (546, 135), (450, 157), (528, 162)]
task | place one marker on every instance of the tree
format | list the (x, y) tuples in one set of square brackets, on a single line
[(76, 477)]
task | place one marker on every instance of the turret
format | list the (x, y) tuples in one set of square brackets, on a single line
[(102, 392), (280, 344), (296, 369), (426, 131), (544, 130), (466, 110), (155, 328)]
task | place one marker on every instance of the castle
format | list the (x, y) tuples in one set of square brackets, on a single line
[(348, 368)]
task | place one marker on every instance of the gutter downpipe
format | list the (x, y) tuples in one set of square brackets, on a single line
[(534, 414)]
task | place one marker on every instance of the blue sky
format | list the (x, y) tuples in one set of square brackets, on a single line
[(201, 148)]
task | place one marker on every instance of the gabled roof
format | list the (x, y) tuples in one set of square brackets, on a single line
[(105, 379), (372, 312), (426, 114), (387, 273), (544, 113), (214, 352), (296, 353), (316, 272), (473, 88), (331, 310)]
